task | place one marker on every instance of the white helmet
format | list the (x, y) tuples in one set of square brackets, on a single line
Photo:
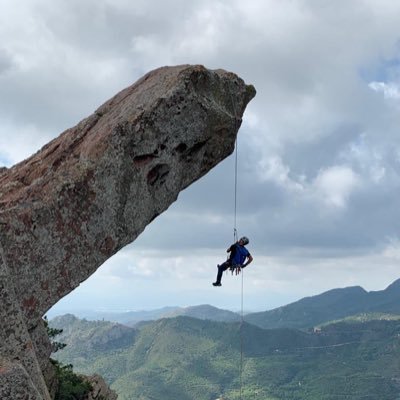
[(244, 239)]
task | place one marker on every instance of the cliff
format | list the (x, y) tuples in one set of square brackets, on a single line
[(88, 193)]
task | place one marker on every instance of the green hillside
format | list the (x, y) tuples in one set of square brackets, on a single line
[(186, 358), (331, 305)]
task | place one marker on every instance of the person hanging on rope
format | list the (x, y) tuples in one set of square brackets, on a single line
[(239, 258)]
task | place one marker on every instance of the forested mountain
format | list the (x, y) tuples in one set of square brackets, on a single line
[(331, 305), (346, 345), (205, 311), (131, 318), (92, 337), (126, 317), (186, 358)]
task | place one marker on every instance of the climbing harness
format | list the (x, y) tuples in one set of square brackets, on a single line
[(235, 269)]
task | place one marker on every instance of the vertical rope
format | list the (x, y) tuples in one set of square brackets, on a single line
[(235, 238), (241, 342), (235, 235), (241, 300)]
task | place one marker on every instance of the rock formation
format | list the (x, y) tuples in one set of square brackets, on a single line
[(91, 191), (100, 390)]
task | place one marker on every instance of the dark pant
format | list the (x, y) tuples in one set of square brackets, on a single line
[(221, 268)]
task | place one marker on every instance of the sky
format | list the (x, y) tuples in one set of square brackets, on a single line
[(318, 150)]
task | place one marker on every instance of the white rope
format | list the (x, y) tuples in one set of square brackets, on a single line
[(235, 239)]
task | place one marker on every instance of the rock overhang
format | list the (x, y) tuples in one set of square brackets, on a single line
[(94, 189)]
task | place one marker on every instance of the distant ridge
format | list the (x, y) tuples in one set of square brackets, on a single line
[(331, 305), (129, 318), (132, 318), (206, 312), (305, 313)]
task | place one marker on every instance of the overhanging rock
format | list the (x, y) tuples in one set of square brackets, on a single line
[(92, 190)]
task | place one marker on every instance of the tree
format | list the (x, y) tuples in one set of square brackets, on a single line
[(70, 385)]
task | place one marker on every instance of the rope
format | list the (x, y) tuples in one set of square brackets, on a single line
[(235, 239), (241, 342), (235, 235)]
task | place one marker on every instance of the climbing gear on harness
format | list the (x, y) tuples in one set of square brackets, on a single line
[(235, 269)]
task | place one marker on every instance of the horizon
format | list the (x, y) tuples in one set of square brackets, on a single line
[(82, 312)]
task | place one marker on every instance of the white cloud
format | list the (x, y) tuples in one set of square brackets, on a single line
[(273, 169), (392, 250), (335, 185), (17, 140), (367, 158), (390, 90)]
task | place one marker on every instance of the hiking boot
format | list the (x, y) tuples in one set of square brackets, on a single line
[(217, 284)]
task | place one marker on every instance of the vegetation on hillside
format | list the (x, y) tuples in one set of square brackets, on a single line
[(188, 359), (70, 385)]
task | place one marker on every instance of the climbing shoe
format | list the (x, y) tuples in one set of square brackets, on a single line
[(217, 284)]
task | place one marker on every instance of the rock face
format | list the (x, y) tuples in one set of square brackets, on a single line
[(88, 193), (100, 390)]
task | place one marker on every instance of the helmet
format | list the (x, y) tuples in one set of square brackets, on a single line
[(244, 239)]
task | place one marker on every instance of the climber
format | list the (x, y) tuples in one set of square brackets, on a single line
[(237, 259)]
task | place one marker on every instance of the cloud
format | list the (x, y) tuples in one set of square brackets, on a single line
[(390, 90), (319, 160), (274, 170), (336, 184), (25, 137), (392, 250)]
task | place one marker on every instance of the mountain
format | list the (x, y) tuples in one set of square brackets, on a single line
[(331, 305), (205, 311), (93, 336), (132, 318), (302, 314), (188, 358), (128, 317)]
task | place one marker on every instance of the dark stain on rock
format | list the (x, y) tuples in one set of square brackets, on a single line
[(157, 174), (29, 345), (107, 245), (196, 148), (26, 218), (30, 304), (144, 159), (182, 147)]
